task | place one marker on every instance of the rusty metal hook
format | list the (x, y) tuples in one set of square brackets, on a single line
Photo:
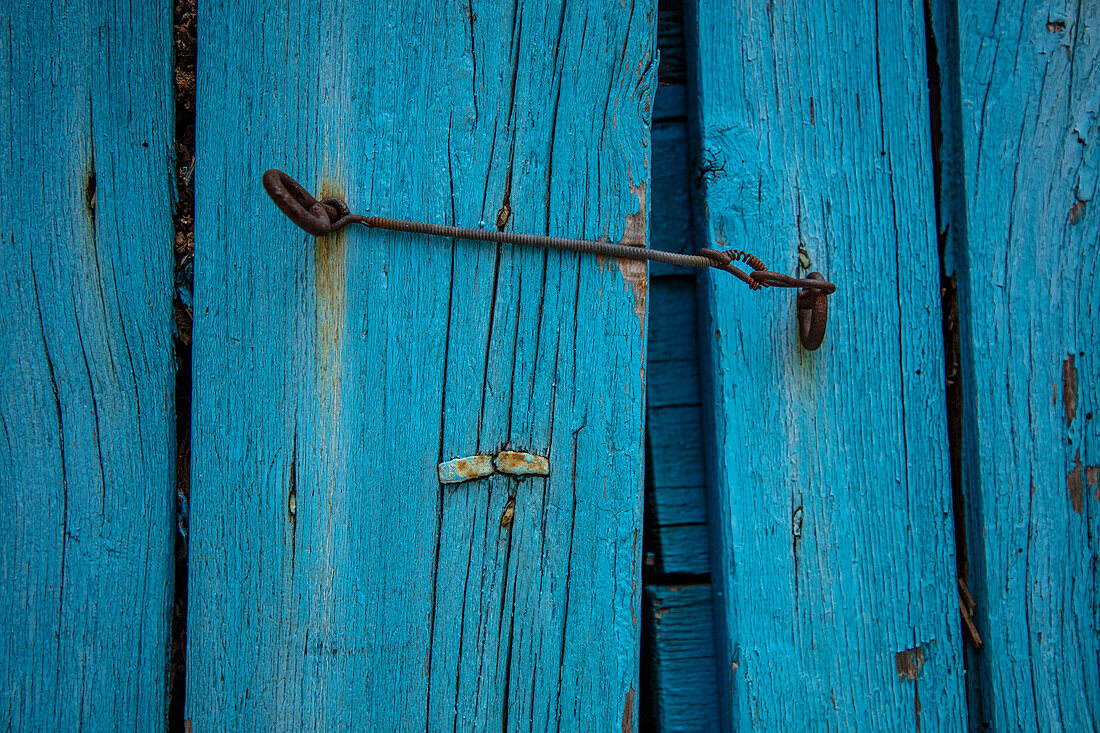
[(813, 299), (315, 217), (323, 217), (813, 314)]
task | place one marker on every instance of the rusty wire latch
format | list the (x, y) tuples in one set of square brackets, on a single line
[(330, 214)]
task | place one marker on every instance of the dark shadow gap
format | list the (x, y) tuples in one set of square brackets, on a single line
[(670, 108), (647, 709), (941, 34), (185, 42)]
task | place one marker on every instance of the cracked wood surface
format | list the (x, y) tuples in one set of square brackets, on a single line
[(832, 541), (1027, 117), (87, 471), (337, 373)]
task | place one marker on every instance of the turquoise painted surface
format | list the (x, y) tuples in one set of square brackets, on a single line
[(833, 550), (1027, 268), (338, 582), (333, 580), (87, 469)]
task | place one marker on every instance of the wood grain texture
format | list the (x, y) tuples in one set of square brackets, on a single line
[(832, 556), (334, 582), (676, 479), (1027, 269), (670, 191), (87, 472), (681, 652)]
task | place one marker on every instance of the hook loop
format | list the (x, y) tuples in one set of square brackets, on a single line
[(315, 217), (723, 260)]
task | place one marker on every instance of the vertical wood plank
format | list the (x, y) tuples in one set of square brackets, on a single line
[(333, 579), (87, 376), (833, 558), (1029, 309)]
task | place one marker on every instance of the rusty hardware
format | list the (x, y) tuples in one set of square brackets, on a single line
[(813, 314), (331, 214), (519, 464)]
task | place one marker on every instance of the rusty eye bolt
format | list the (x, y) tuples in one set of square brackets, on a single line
[(331, 214)]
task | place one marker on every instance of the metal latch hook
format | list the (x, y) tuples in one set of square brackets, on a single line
[(326, 216)]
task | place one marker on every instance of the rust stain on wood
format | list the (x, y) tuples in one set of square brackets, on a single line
[(1077, 212), (1069, 389), (1073, 484), (330, 303)]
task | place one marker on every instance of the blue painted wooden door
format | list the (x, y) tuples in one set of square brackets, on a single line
[(836, 520), (898, 531), (1023, 241)]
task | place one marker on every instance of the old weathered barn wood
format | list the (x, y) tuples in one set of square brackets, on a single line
[(333, 578), (87, 376), (833, 551), (418, 463), (1028, 122)]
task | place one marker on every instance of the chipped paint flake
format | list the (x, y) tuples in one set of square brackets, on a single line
[(518, 463), (1069, 389), (509, 512), (628, 711), (634, 271), (457, 470), (1073, 485), (909, 662)]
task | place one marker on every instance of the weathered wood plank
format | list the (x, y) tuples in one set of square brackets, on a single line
[(673, 383), (676, 434), (682, 550), (1029, 306), (681, 505), (833, 554), (333, 579), (87, 475), (677, 499), (681, 679), (681, 633), (669, 105), (670, 40), (672, 330), (671, 195)]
